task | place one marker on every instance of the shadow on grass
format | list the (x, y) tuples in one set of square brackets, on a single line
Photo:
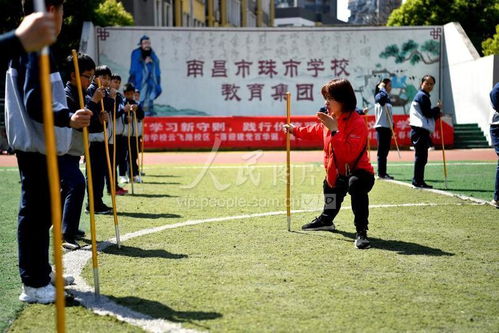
[(161, 311), (401, 247), (144, 307), (162, 176), (161, 183), (139, 215), (136, 252), (150, 195)]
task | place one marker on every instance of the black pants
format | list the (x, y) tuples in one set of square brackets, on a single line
[(358, 185), (99, 170), (34, 220), (134, 155), (384, 139), (121, 154), (421, 141), (72, 194)]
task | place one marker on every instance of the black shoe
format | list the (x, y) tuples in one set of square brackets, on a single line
[(80, 234), (421, 185), (361, 241), (319, 223), (102, 210), (70, 244), (386, 176)]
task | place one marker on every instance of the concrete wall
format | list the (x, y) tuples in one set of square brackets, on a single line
[(467, 79)]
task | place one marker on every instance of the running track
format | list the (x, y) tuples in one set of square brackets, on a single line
[(299, 156)]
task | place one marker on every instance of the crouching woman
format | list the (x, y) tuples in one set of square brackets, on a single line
[(348, 170)]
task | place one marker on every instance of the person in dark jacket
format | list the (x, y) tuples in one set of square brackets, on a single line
[(72, 180), (347, 165), (494, 134), (383, 124), (24, 124), (422, 120)]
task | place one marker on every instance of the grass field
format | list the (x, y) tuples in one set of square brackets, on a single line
[(433, 265)]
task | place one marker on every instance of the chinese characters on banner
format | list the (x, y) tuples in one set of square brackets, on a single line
[(254, 132), (266, 69)]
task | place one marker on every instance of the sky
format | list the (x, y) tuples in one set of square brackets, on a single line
[(343, 12)]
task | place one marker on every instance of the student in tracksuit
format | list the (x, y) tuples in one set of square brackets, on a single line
[(72, 180), (97, 147), (347, 165), (134, 108), (422, 120), (121, 139), (383, 125), (24, 124)]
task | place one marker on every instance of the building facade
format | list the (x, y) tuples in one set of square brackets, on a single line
[(371, 12), (201, 13), (306, 13)]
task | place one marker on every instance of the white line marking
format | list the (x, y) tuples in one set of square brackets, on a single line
[(76, 260)]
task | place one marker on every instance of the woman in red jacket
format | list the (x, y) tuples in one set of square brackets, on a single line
[(347, 165)]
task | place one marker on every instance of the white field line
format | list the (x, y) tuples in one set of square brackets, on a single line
[(76, 260)]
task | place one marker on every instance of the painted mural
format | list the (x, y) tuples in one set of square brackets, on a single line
[(247, 72)]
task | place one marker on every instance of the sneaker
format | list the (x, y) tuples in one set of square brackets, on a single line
[(386, 176), (70, 244), (142, 173), (103, 210), (361, 241), (421, 185), (124, 180), (495, 203), (121, 191), (137, 179), (68, 279), (318, 224), (43, 295), (80, 234)]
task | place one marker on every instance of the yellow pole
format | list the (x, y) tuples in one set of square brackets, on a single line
[(288, 160), (53, 176), (443, 150), (136, 139), (130, 172), (93, 234), (114, 147), (111, 179), (142, 149), (389, 117)]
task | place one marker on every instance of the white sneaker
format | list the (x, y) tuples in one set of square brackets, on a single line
[(68, 279), (137, 179), (124, 180), (43, 295)]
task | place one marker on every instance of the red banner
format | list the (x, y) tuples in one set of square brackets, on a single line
[(255, 132)]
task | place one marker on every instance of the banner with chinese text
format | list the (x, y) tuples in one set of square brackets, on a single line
[(164, 133)]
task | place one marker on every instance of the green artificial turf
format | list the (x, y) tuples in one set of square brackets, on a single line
[(431, 268)]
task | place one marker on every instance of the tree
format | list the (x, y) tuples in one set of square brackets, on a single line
[(111, 12), (491, 45), (477, 17)]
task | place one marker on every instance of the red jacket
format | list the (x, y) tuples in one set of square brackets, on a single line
[(347, 144)]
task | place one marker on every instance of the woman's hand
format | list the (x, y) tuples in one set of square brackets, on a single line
[(328, 121), (288, 128)]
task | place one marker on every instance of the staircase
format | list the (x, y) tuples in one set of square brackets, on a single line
[(469, 136)]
